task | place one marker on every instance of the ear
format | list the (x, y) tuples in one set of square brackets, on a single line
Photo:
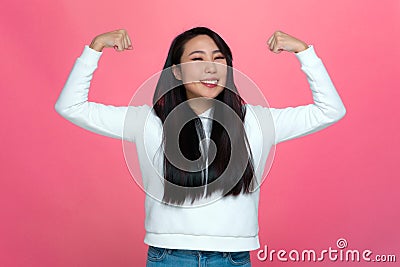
[(176, 70)]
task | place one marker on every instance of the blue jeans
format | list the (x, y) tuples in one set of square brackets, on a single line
[(165, 257)]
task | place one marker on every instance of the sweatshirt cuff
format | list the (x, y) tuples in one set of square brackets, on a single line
[(90, 56), (308, 57)]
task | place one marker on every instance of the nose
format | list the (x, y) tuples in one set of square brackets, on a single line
[(210, 67)]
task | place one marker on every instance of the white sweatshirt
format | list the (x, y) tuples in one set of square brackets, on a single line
[(223, 224)]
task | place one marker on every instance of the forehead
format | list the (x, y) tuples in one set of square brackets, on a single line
[(200, 42)]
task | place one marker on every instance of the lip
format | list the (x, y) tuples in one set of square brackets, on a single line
[(210, 79), (210, 85)]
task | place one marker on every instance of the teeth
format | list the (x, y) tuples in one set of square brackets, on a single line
[(211, 81)]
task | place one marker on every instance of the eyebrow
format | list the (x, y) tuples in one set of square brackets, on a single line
[(202, 52)]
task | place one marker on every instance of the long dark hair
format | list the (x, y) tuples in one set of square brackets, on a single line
[(169, 93)]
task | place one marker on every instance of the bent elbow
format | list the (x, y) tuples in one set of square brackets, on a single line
[(339, 113), (63, 110), (344, 111), (59, 109), (333, 115)]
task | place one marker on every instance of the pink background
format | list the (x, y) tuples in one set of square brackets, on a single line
[(67, 197)]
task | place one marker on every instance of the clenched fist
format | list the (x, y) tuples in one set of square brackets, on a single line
[(119, 39), (281, 41)]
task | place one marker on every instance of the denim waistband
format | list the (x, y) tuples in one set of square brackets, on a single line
[(196, 252)]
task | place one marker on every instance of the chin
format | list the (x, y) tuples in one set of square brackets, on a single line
[(207, 92)]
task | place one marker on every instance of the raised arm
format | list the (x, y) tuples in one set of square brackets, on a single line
[(293, 122), (73, 104)]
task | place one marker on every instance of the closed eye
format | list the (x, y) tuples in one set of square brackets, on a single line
[(199, 58)]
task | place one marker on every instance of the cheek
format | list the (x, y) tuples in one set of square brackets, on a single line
[(193, 89), (190, 73), (223, 74)]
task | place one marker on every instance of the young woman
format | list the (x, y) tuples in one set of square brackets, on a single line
[(204, 209)]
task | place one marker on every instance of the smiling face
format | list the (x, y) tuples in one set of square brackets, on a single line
[(203, 68)]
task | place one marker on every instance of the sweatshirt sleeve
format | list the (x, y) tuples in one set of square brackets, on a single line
[(293, 122), (73, 104)]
